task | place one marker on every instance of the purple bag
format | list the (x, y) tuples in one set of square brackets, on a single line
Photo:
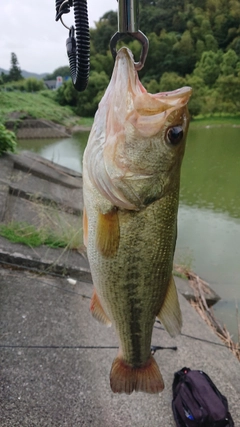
[(197, 401)]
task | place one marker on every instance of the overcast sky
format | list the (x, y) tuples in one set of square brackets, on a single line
[(28, 28)]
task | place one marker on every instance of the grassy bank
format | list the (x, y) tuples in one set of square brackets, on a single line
[(63, 236), (38, 105), (41, 105)]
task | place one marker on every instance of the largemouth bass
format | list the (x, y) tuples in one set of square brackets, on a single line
[(131, 176)]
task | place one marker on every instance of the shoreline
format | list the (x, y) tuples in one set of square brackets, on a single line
[(30, 128)]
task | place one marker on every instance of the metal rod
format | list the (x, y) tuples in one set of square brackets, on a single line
[(128, 16)]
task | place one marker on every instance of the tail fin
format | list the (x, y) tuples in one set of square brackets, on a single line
[(125, 378)]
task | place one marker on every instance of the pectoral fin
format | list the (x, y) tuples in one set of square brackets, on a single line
[(108, 233), (170, 314), (97, 311)]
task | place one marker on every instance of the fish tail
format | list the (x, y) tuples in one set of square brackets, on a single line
[(125, 378)]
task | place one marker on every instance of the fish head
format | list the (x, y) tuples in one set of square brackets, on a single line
[(137, 142)]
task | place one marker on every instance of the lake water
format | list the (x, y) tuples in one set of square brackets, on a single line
[(209, 212)]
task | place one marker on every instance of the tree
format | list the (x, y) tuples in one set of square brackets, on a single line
[(184, 54), (89, 99), (229, 90), (171, 81), (33, 85), (229, 63), (60, 71), (15, 71), (208, 68)]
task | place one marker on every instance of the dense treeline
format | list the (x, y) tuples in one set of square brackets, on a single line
[(191, 42)]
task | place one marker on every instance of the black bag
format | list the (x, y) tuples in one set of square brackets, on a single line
[(198, 402)]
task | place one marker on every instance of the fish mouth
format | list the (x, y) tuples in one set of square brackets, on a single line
[(127, 111), (147, 112), (126, 70)]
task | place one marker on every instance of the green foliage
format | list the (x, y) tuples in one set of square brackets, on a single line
[(105, 28), (153, 86), (208, 68), (28, 235), (85, 103), (171, 81), (229, 90), (61, 71), (230, 63), (36, 105), (66, 236), (66, 94), (15, 71), (7, 140), (30, 84), (33, 85), (89, 99)]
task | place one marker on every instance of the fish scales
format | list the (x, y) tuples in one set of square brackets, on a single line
[(131, 175), (131, 279)]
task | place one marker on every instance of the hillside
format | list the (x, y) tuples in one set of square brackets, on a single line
[(35, 105), (27, 74)]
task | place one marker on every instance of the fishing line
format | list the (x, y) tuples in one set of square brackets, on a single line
[(77, 347), (194, 338)]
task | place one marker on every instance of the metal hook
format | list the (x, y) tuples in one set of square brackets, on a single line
[(138, 36), (61, 7), (128, 17)]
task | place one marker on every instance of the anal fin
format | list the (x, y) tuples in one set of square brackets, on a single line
[(97, 311), (126, 379), (170, 314), (108, 233)]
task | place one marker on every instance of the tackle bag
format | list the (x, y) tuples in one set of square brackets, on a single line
[(197, 401)]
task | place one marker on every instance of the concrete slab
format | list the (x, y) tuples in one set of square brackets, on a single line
[(46, 260), (38, 166), (54, 377), (39, 192), (43, 217), (26, 185), (6, 168)]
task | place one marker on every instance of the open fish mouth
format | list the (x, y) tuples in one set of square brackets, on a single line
[(127, 113)]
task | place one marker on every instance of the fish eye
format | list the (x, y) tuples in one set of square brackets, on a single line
[(174, 135)]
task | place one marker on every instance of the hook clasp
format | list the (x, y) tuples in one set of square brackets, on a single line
[(128, 25), (138, 35), (64, 8)]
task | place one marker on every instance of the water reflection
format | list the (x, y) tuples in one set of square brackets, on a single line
[(66, 152), (211, 170), (209, 212)]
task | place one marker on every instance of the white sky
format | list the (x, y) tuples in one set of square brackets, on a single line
[(28, 28)]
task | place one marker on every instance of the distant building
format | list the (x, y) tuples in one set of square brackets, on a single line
[(59, 81), (51, 84), (55, 84)]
